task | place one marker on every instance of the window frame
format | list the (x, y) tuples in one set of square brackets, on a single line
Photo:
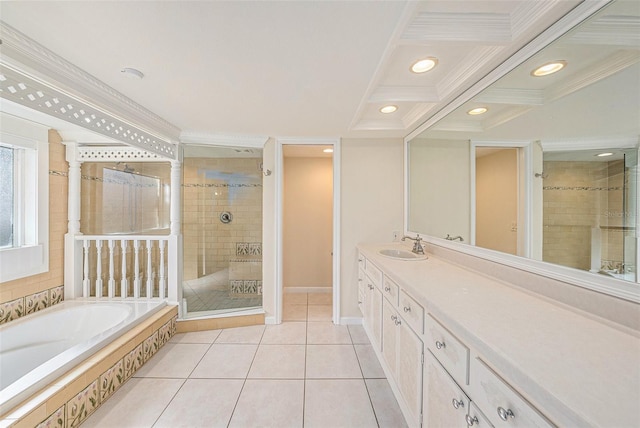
[(30, 254)]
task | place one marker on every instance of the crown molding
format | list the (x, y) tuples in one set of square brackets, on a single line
[(470, 28), (416, 113), (39, 63), (38, 95), (511, 96), (379, 125), (606, 67), (418, 94), (467, 68), (590, 144), (506, 116), (610, 30), (193, 137), (527, 14)]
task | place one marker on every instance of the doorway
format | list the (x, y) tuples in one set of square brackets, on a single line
[(307, 232)]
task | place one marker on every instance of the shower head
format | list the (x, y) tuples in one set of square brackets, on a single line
[(125, 167)]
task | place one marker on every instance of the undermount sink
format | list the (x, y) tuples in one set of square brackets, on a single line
[(401, 254)]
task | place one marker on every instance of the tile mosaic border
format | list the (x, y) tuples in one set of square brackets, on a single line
[(248, 248), (76, 410), (245, 286), (30, 303)]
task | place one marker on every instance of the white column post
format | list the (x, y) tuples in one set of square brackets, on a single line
[(73, 251), (174, 255)]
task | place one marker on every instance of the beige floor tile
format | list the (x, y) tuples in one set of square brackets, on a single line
[(331, 362), (226, 361), (251, 334), (369, 364), (294, 313), (294, 298), (287, 333), (205, 336), (202, 403), (385, 405), (320, 298), (138, 403), (337, 403), (358, 334), (270, 403), (320, 313), (173, 360), (278, 362), (327, 333)]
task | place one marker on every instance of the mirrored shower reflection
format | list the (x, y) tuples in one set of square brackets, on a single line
[(222, 229), (590, 206)]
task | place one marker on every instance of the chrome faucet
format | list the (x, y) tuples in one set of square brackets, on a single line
[(454, 238), (417, 246)]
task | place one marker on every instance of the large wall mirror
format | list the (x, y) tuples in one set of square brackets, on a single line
[(543, 167)]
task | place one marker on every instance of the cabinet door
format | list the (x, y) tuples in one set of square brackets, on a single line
[(409, 368), (389, 336), (444, 403), (372, 312)]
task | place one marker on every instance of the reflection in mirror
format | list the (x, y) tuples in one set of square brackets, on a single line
[(527, 176)]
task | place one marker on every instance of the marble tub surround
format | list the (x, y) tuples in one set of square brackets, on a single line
[(68, 401), (30, 303), (577, 369)]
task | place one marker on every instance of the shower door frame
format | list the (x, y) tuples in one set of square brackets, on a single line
[(279, 177)]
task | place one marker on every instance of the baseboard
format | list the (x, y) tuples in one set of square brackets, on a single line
[(351, 321), (270, 320), (308, 289)]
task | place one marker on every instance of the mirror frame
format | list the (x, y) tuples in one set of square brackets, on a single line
[(611, 286)]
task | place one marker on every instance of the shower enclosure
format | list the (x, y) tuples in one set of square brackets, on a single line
[(222, 229), (590, 212)]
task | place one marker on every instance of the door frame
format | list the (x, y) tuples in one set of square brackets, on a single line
[(279, 177)]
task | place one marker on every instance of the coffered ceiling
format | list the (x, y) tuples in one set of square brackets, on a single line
[(271, 68)]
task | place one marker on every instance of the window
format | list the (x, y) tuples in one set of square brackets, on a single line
[(24, 198)]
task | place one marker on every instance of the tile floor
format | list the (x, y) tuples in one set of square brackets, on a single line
[(212, 293), (305, 372)]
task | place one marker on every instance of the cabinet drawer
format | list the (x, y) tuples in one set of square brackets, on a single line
[(502, 405), (475, 418), (451, 353), (390, 290), (374, 273), (412, 312)]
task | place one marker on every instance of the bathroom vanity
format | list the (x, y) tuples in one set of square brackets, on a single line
[(462, 348)]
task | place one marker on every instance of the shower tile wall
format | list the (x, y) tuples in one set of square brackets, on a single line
[(578, 196), (209, 244)]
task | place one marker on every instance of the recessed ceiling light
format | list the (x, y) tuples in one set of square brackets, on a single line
[(602, 155), (328, 150), (549, 68), (424, 65), (388, 109), (132, 73), (477, 111)]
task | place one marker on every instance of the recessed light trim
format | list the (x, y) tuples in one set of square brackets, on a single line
[(549, 68), (388, 109), (424, 65), (478, 110), (602, 155)]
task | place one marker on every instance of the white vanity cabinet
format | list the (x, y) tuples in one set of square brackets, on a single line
[(445, 404), (402, 350), (370, 300)]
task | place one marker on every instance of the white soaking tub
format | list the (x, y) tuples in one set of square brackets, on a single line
[(38, 348)]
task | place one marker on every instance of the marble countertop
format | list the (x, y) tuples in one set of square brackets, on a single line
[(577, 369)]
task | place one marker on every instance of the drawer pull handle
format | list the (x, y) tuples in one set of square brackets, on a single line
[(387, 289), (407, 308), (393, 317), (439, 344), (360, 260), (457, 403), (471, 421), (359, 279), (370, 287), (397, 321), (505, 414)]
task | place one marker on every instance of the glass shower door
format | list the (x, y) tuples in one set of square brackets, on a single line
[(222, 229)]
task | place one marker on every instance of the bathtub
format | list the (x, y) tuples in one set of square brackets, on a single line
[(38, 348)]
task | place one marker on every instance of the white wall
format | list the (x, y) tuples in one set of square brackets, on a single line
[(371, 205)]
